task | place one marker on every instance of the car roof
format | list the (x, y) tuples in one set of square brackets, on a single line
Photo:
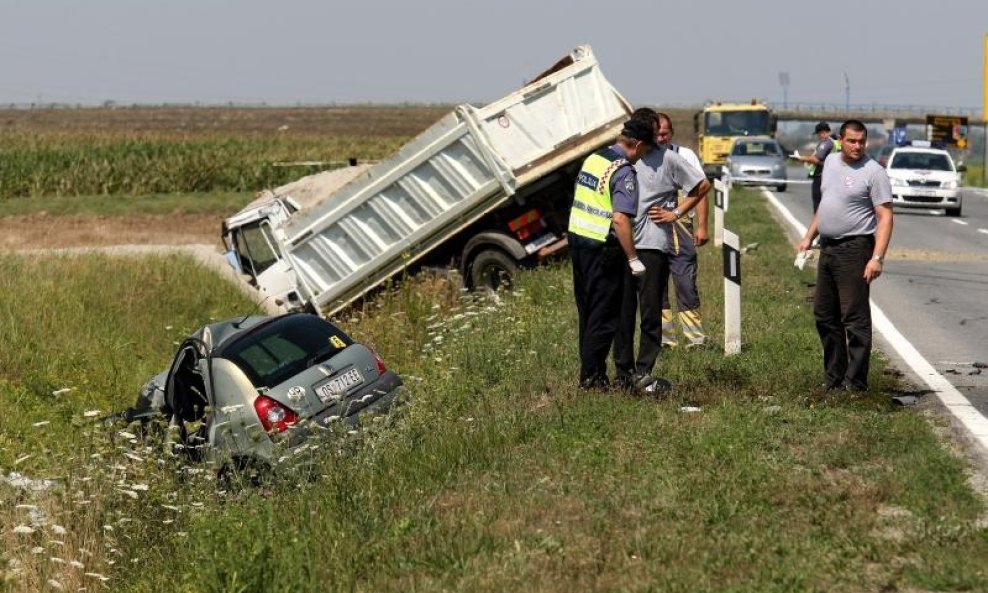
[(921, 149), (234, 330)]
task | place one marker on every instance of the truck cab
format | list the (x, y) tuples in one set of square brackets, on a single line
[(253, 249), (720, 124)]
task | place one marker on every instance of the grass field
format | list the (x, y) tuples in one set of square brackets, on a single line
[(147, 150), (498, 475)]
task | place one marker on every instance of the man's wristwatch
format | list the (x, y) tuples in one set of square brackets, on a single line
[(677, 213), (878, 258)]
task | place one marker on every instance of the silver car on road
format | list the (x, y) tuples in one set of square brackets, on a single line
[(758, 160)]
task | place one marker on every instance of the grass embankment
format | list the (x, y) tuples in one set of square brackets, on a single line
[(500, 475), (975, 176)]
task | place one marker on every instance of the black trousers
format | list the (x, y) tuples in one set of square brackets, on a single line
[(642, 294), (598, 284), (842, 311), (816, 191)]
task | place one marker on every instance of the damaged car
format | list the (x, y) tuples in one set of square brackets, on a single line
[(240, 390)]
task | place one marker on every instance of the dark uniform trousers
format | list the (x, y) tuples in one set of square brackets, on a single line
[(645, 294), (842, 310), (816, 190), (598, 284)]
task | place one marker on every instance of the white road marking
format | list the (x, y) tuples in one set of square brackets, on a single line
[(958, 405), (956, 221)]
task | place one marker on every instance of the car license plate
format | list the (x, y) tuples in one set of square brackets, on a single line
[(924, 192), (540, 243), (338, 386)]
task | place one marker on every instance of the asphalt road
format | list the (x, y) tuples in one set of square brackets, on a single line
[(934, 287)]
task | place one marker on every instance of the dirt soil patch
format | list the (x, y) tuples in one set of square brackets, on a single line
[(41, 231)]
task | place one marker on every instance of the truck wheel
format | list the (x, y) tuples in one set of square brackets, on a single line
[(492, 269), (952, 211)]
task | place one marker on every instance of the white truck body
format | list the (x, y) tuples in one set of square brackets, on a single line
[(383, 217)]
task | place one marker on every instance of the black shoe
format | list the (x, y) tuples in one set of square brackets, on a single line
[(599, 383)]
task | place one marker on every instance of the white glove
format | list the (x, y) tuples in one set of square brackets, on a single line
[(637, 267)]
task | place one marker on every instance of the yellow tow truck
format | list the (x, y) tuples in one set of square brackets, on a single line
[(719, 124)]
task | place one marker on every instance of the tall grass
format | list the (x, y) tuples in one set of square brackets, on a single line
[(500, 475), (73, 164)]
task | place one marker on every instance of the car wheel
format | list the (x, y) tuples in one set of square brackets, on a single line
[(952, 211), (782, 187), (492, 269)]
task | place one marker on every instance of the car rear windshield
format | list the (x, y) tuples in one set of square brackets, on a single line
[(279, 350), (756, 149), (929, 161)]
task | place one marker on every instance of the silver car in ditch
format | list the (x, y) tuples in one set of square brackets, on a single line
[(240, 389), (758, 160)]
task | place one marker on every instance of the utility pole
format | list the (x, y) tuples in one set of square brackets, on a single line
[(784, 82), (847, 93), (984, 117)]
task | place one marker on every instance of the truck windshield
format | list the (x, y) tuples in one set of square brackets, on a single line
[(736, 123), (254, 249), (929, 161)]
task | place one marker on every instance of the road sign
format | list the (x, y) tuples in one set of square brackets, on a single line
[(947, 129), (732, 293)]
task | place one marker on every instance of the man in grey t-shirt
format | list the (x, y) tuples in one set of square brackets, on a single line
[(661, 173), (855, 225)]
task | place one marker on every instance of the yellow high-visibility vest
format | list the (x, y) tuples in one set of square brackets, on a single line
[(592, 210)]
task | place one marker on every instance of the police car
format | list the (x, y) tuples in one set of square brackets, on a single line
[(925, 177)]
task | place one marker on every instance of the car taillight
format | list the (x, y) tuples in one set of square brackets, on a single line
[(381, 369), (274, 416)]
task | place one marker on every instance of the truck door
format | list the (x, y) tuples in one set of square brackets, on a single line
[(262, 261)]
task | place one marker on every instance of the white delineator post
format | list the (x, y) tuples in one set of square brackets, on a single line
[(722, 192), (732, 293)]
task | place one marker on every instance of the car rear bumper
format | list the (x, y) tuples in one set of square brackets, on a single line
[(934, 198)]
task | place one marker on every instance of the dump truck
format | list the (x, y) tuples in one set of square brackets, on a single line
[(487, 189), (719, 124)]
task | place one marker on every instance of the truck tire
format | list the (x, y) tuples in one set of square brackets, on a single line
[(952, 211), (782, 188), (492, 269)]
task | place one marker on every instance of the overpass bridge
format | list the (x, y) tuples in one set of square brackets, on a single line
[(871, 113)]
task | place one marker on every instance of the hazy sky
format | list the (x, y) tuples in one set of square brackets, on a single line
[(321, 51)]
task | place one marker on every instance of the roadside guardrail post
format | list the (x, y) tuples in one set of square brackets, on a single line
[(722, 191), (732, 293)]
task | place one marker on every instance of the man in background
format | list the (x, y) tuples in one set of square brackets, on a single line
[(683, 254)]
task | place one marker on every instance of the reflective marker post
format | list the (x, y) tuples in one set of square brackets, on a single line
[(732, 293), (722, 192)]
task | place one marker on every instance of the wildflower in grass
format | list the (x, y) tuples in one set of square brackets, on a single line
[(91, 413), (41, 423), (56, 560), (23, 530), (76, 564), (55, 585), (37, 550), (97, 575), (61, 391)]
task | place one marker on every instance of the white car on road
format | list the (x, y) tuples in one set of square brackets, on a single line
[(925, 178)]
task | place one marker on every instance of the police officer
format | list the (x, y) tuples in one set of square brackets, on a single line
[(662, 173), (824, 147), (602, 246)]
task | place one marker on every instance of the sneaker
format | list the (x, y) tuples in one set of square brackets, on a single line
[(594, 383), (658, 386)]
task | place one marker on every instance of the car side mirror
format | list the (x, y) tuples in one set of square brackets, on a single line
[(961, 168)]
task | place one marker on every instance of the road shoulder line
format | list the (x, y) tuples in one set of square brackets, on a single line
[(953, 400)]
